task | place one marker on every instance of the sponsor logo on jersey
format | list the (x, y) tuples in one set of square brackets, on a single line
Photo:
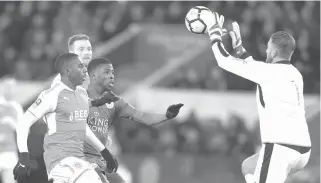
[(78, 115)]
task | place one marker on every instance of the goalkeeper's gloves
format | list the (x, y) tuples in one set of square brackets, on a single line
[(23, 167), (237, 41), (173, 110), (108, 97), (214, 23), (112, 163)]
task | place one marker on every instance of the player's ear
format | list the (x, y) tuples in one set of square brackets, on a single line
[(67, 71), (273, 53), (93, 76)]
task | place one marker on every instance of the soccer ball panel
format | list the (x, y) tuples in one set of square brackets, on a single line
[(194, 21), (198, 27)]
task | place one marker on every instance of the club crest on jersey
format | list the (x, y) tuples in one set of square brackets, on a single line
[(110, 106)]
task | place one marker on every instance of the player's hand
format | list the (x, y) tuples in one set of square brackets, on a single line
[(22, 168), (173, 110), (108, 97), (236, 35), (112, 167), (112, 163), (214, 23), (236, 39)]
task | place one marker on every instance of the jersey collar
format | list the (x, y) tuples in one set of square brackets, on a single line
[(67, 87), (287, 62)]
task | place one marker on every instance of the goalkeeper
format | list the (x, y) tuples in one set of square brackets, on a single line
[(286, 144)]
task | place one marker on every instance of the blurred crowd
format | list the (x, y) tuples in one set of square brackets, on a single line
[(191, 136), (32, 33)]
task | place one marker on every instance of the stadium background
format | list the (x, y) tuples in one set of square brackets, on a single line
[(157, 63)]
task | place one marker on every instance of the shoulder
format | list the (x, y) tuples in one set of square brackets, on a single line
[(52, 92), (56, 80)]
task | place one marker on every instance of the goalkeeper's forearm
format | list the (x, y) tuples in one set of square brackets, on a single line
[(246, 68)]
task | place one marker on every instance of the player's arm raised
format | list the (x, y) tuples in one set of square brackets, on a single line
[(112, 164), (247, 68), (125, 110), (43, 105)]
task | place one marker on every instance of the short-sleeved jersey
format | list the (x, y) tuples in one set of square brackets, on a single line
[(279, 96), (65, 111), (57, 79), (10, 113)]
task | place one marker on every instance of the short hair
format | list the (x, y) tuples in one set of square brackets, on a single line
[(63, 59), (75, 38), (284, 42), (95, 63)]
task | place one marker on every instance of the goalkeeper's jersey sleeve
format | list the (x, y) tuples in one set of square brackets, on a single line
[(279, 96)]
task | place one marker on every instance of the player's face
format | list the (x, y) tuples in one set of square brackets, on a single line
[(77, 72), (84, 50), (270, 52), (106, 77)]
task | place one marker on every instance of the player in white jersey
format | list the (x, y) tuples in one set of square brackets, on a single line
[(286, 143), (65, 111), (10, 113), (79, 44)]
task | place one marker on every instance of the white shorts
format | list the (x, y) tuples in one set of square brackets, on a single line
[(8, 160), (73, 170), (276, 162)]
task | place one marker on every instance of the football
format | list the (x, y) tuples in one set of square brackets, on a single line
[(194, 19)]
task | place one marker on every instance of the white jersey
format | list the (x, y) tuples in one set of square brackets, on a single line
[(279, 97), (57, 79)]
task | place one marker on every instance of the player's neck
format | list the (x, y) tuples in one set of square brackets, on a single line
[(68, 83), (278, 59), (95, 91)]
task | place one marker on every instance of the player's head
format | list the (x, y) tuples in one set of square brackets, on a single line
[(101, 73), (69, 65), (280, 46), (80, 45)]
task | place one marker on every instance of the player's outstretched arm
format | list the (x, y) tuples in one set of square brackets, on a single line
[(127, 111), (44, 104), (246, 68), (112, 164)]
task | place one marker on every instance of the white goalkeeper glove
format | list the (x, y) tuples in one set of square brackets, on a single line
[(237, 40), (214, 23)]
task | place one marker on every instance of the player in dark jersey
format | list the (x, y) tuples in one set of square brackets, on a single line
[(65, 108), (101, 74)]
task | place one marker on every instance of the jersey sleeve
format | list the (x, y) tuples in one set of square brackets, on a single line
[(45, 103), (125, 110), (248, 68)]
